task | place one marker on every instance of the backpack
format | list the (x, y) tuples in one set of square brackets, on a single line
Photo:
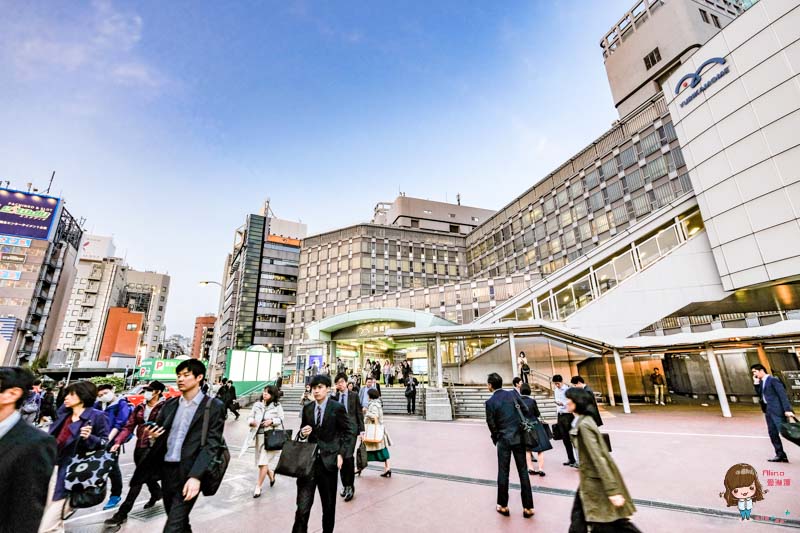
[(32, 404)]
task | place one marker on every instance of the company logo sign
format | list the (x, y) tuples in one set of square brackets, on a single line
[(12, 258), (694, 79), (13, 275), (5, 240), (24, 214)]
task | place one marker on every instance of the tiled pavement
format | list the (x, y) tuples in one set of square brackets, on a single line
[(673, 460)]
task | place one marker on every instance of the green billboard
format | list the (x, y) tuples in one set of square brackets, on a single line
[(160, 369)]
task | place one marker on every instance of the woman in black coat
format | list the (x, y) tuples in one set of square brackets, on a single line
[(541, 433)]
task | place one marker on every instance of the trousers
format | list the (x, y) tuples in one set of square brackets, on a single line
[(578, 523), (504, 453), (324, 481), (115, 476), (411, 403), (565, 423), (173, 479), (139, 479), (774, 429)]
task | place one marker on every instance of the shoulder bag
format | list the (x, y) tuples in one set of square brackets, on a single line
[(212, 479), (86, 475), (791, 431), (297, 459), (274, 439), (373, 433), (526, 428), (361, 457)]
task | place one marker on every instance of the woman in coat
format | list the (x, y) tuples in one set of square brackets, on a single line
[(602, 500), (542, 437), (377, 451), (78, 427), (265, 416)]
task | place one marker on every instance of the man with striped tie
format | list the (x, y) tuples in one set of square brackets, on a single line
[(325, 423)]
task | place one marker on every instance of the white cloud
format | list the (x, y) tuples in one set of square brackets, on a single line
[(136, 74)]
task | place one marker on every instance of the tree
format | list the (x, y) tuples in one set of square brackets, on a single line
[(118, 383)]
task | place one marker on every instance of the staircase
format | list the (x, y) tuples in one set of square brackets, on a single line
[(291, 398), (470, 402), (393, 398)]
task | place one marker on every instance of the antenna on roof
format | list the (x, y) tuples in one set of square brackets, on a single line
[(50, 184), (458, 198)]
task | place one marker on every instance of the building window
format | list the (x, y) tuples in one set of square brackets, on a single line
[(452, 215), (474, 219), (652, 58), (130, 327), (427, 211), (414, 223), (715, 20), (454, 228), (704, 16)]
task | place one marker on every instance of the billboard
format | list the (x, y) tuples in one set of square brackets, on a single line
[(160, 369), (95, 248), (24, 214)]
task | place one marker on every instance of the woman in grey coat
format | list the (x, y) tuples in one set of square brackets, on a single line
[(266, 415)]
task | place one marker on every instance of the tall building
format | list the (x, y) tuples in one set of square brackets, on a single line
[(259, 283), (122, 334), (203, 337), (39, 242), (98, 286), (147, 292)]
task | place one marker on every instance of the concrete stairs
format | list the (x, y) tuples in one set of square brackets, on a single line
[(393, 398), (470, 402), (291, 397)]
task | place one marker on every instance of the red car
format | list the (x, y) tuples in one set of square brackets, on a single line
[(135, 396)]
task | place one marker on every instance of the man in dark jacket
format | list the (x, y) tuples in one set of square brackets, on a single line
[(775, 404), (117, 412), (503, 420), (143, 413), (177, 448), (325, 423), (352, 405), (411, 394), (27, 457), (579, 382), (228, 396)]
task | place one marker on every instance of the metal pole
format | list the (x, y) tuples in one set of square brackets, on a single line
[(71, 363), (609, 383), (718, 385), (513, 347), (439, 360), (623, 390)]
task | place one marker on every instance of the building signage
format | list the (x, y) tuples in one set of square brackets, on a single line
[(14, 275), (694, 79), (12, 258), (160, 369), (6, 240), (283, 240), (95, 248), (24, 214)]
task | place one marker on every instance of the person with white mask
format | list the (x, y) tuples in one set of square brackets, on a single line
[(117, 411)]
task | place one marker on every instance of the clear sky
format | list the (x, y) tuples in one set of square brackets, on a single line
[(168, 122)]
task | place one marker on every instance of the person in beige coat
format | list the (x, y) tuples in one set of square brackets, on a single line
[(377, 451), (602, 500), (266, 415)]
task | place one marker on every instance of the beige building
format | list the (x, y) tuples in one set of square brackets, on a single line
[(147, 292)]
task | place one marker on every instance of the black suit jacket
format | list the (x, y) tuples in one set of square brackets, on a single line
[(502, 417), (772, 397), (354, 415), (335, 434), (27, 458), (195, 458)]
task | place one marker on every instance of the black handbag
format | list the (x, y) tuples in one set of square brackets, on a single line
[(791, 431), (297, 459), (607, 440), (276, 438), (547, 429), (218, 465), (361, 457), (527, 429), (557, 432)]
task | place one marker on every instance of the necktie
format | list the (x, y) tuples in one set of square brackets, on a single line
[(319, 416), (344, 400)]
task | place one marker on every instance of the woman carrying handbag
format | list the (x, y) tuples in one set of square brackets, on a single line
[(376, 440), (266, 416)]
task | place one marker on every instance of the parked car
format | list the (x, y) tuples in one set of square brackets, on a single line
[(135, 396)]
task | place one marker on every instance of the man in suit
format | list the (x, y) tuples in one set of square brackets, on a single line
[(775, 404), (411, 393), (594, 411), (325, 423), (352, 405), (27, 458), (362, 392), (176, 444), (503, 421)]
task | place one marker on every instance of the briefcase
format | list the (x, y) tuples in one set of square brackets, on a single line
[(297, 459), (791, 431), (361, 457), (556, 431)]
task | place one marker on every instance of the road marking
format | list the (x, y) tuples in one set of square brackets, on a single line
[(676, 433)]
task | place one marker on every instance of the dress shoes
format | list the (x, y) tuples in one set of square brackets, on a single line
[(349, 493), (783, 459)]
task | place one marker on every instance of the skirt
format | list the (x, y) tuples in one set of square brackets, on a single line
[(265, 457), (542, 438), (378, 455)]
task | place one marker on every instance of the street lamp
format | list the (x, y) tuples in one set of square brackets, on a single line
[(207, 283)]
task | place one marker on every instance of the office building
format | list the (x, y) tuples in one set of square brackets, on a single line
[(122, 334), (147, 292), (39, 242), (98, 286), (259, 284), (203, 337)]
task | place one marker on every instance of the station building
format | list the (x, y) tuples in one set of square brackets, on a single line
[(671, 241)]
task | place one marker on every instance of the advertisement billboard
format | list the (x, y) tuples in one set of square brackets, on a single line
[(24, 214), (160, 369), (95, 248)]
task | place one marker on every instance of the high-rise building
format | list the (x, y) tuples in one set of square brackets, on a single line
[(122, 334), (259, 283), (39, 242), (98, 286), (203, 337), (147, 292)]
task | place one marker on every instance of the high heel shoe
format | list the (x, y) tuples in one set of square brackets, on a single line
[(257, 492), (272, 481), (503, 511), (388, 473), (528, 513)]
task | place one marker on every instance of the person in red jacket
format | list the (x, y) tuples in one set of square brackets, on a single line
[(145, 412)]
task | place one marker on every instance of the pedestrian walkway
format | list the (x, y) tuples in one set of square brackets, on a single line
[(673, 460)]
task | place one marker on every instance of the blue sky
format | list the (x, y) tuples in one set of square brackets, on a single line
[(167, 122)]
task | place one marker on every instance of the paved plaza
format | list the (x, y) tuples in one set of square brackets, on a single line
[(673, 460)]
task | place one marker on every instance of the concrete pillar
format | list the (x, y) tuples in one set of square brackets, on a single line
[(439, 380), (333, 355), (762, 357), (623, 389), (717, 376), (512, 346), (609, 383)]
